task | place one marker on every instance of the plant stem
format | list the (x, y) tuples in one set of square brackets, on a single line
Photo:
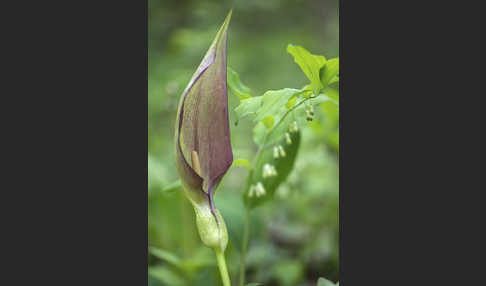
[(244, 247), (222, 267), (260, 149)]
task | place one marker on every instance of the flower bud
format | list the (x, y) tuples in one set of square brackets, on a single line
[(251, 192), (293, 127), (287, 138), (309, 115), (202, 139), (281, 151), (269, 171), (212, 231), (275, 152), (259, 190)]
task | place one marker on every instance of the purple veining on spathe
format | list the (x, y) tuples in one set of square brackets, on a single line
[(203, 122)]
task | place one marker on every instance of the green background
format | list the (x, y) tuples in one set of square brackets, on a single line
[(293, 238)]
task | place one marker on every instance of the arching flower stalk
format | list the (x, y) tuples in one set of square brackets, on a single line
[(202, 143)]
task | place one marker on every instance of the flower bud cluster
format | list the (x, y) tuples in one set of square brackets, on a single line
[(279, 151), (257, 190), (293, 127), (287, 138), (269, 171)]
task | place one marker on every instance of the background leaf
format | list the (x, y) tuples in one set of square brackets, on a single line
[(236, 86), (287, 272), (268, 122), (166, 276), (248, 107), (329, 72), (273, 103), (291, 102), (172, 187), (324, 282), (259, 132), (166, 256), (310, 64), (242, 163)]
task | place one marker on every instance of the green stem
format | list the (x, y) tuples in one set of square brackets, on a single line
[(260, 149), (222, 267), (244, 247)]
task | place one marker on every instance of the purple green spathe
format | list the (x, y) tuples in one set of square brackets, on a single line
[(202, 137)]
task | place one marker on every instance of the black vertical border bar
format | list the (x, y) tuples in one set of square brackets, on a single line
[(145, 281), (76, 170), (341, 96)]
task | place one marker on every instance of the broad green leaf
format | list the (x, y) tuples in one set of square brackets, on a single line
[(268, 122), (325, 282), (236, 86), (334, 80), (332, 93), (273, 103), (329, 72), (242, 163), (291, 102), (247, 107), (283, 166), (259, 132), (297, 114), (310, 64)]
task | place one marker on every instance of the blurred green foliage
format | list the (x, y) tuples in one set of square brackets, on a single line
[(293, 238)]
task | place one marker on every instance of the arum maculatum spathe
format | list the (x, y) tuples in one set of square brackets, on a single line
[(202, 140)]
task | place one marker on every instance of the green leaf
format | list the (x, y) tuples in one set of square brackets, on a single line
[(333, 94), (283, 166), (291, 102), (310, 64), (330, 124), (236, 86), (242, 163), (172, 187), (165, 275), (248, 107), (200, 258), (273, 103), (259, 132), (157, 174), (278, 110), (166, 256), (288, 272), (253, 284), (329, 72), (297, 114), (334, 80), (268, 122), (325, 282)]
